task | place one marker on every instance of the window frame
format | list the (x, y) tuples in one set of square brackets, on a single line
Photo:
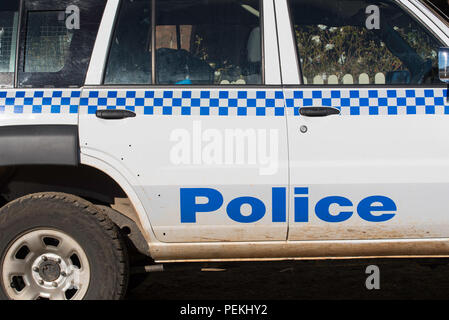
[(412, 15), (435, 10), (46, 79), (152, 3), (110, 46)]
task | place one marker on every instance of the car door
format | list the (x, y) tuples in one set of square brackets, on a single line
[(43, 79), (368, 120), (201, 128)]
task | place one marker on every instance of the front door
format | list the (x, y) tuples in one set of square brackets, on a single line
[(368, 125)]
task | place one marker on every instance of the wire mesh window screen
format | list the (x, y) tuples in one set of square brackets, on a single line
[(8, 40), (47, 42)]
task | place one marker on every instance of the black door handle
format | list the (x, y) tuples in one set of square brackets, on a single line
[(318, 111), (114, 114)]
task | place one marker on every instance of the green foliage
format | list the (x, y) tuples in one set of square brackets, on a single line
[(354, 50)]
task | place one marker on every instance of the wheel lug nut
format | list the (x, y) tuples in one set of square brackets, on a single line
[(44, 258), (55, 284), (63, 274), (58, 260), (41, 282), (36, 269)]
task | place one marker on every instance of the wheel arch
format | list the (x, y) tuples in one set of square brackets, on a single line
[(128, 189), (93, 180)]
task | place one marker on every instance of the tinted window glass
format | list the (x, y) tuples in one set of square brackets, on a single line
[(8, 39), (130, 55), (208, 42), (336, 46), (54, 51)]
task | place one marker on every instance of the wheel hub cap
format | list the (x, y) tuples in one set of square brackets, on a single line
[(49, 270)]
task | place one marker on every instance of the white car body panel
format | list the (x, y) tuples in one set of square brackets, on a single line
[(396, 152), (163, 180)]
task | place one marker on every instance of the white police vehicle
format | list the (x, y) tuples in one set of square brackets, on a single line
[(216, 130)]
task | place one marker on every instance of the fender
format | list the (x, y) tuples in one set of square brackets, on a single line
[(39, 145), (102, 162)]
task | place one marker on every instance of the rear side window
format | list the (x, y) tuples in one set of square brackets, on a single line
[(9, 18), (197, 42), (55, 47), (340, 44)]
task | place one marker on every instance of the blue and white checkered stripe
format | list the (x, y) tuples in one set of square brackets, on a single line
[(227, 103), (188, 102), (269, 103), (372, 102), (48, 101)]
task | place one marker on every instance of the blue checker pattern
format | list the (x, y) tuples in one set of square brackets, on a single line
[(370, 102), (40, 102), (222, 103), (227, 103)]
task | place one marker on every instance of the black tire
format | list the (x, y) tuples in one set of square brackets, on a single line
[(80, 219)]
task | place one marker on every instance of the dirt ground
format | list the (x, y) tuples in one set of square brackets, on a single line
[(293, 280)]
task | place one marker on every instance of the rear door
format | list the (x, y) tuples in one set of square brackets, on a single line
[(43, 61), (367, 121), (206, 146)]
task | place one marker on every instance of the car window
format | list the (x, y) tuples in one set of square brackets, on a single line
[(47, 42), (198, 42), (130, 55), (55, 50), (9, 17), (339, 43), (215, 42)]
